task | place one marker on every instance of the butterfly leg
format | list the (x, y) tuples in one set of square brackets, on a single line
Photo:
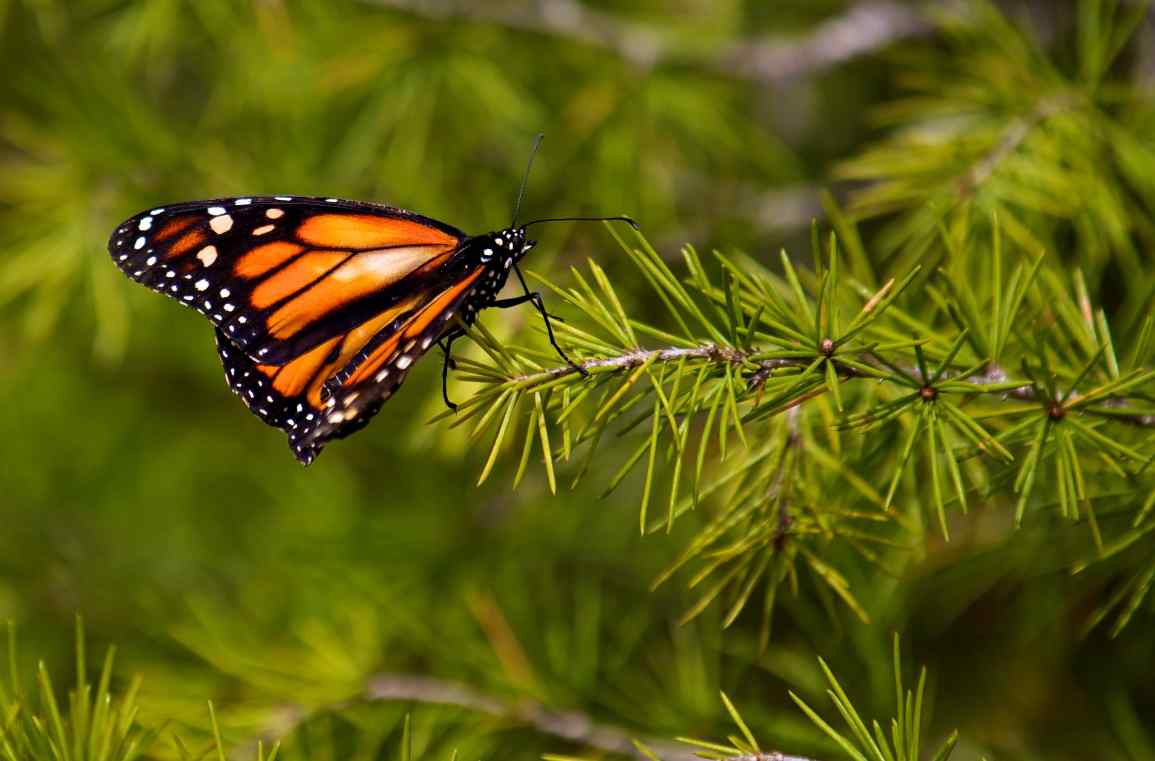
[(534, 297), (446, 344)]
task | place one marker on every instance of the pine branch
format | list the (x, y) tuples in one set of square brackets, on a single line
[(863, 29), (1118, 408), (1043, 145), (748, 349), (96, 722), (993, 381), (632, 359)]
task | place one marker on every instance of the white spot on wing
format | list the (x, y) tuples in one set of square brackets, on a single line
[(404, 361), (221, 224), (139, 244), (243, 201), (216, 210), (145, 224), (263, 229), (207, 255), (201, 284), (275, 213)]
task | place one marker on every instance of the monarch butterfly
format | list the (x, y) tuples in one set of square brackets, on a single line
[(320, 305)]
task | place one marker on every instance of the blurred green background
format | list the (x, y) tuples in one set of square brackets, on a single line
[(137, 491)]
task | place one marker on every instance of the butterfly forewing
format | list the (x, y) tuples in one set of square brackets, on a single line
[(320, 305), (279, 275)]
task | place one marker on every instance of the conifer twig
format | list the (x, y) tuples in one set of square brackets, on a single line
[(571, 726), (994, 376)]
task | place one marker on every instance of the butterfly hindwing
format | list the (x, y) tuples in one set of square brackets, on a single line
[(281, 275), (314, 397), (355, 394), (254, 387)]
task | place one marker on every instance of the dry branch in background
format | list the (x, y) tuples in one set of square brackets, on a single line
[(865, 28), (571, 726)]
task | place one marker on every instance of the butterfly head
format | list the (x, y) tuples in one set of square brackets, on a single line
[(502, 249)]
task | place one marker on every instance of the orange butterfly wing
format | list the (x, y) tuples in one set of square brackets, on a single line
[(334, 389), (320, 306), (356, 394), (281, 276)]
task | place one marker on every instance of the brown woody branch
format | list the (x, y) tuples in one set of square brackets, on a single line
[(866, 27), (760, 371), (570, 726)]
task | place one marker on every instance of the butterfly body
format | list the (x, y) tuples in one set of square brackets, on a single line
[(321, 306), (496, 252)]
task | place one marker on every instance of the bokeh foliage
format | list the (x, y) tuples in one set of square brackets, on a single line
[(1004, 158)]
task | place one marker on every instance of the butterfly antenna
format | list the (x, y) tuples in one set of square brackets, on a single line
[(619, 218), (525, 178)]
